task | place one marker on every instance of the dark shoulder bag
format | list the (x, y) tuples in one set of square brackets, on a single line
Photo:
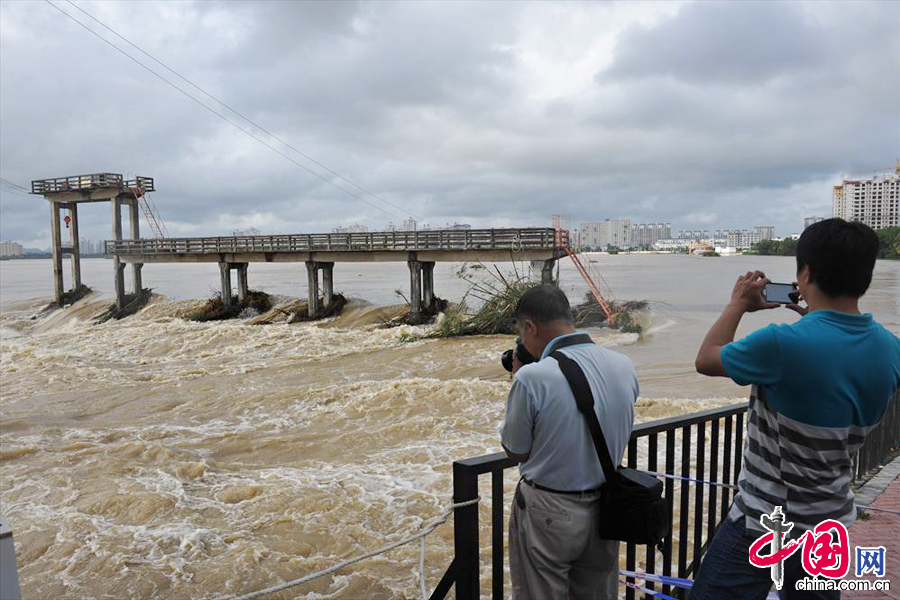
[(632, 507)]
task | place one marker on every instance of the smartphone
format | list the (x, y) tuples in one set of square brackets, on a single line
[(782, 293)]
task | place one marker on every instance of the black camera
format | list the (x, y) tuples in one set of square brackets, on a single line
[(520, 352)]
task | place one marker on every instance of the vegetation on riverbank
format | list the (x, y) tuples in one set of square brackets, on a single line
[(889, 245)]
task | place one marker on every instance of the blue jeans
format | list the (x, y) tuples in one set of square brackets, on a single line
[(726, 572)]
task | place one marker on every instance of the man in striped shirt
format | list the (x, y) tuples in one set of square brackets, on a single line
[(819, 385)]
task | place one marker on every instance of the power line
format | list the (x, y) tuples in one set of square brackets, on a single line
[(14, 185), (223, 117), (12, 188), (245, 118)]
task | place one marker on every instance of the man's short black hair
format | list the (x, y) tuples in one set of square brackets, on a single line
[(840, 256), (543, 304)]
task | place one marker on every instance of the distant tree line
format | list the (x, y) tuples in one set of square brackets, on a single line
[(889, 238), (785, 247)]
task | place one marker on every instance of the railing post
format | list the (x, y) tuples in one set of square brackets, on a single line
[(465, 532)]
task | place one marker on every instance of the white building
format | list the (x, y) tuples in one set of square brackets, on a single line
[(670, 245), (10, 249), (409, 224), (647, 234), (766, 232), (355, 228), (811, 221), (874, 201), (743, 239), (603, 234)]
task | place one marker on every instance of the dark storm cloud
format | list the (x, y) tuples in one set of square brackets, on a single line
[(706, 114)]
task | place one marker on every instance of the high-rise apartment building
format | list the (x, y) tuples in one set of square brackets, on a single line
[(603, 234), (874, 201), (811, 220), (10, 249), (647, 234), (409, 224), (766, 232)]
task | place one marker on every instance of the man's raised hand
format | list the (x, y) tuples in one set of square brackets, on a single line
[(747, 292)]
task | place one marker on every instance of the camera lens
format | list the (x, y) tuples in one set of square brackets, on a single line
[(507, 360)]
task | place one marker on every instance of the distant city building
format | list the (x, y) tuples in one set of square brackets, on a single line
[(245, 232), (766, 232), (609, 233), (87, 247), (811, 221), (670, 245), (647, 234), (10, 249), (459, 226), (409, 224), (350, 229), (743, 239), (697, 236), (874, 201)]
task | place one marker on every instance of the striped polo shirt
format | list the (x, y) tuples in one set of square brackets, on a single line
[(818, 387)]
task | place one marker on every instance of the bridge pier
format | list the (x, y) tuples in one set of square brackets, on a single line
[(134, 218), (76, 247), (312, 285), (428, 285), (415, 286), (327, 282), (242, 285), (225, 275), (545, 268), (56, 244), (118, 266)]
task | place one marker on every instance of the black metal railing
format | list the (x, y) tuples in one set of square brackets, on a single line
[(695, 513), (664, 443)]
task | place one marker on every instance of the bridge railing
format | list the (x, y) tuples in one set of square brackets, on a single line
[(390, 241), (88, 182), (704, 446)]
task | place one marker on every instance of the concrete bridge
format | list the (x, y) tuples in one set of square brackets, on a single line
[(542, 247), (419, 249)]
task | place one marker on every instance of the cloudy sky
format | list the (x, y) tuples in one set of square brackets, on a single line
[(705, 115)]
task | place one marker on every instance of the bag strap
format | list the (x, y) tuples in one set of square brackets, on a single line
[(584, 398)]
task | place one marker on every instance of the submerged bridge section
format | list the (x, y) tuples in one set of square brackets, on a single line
[(419, 249)]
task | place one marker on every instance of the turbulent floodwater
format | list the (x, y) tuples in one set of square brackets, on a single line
[(160, 458)]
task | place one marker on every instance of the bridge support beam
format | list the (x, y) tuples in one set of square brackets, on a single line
[(242, 287), (134, 230), (56, 244), (312, 284), (118, 266), (545, 269), (428, 285), (225, 275), (327, 282), (76, 246), (415, 286)]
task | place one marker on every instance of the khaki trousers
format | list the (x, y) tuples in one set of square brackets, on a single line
[(555, 551)]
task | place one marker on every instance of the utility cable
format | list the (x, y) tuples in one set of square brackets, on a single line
[(225, 118), (236, 112)]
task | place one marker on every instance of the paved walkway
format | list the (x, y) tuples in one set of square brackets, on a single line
[(881, 529)]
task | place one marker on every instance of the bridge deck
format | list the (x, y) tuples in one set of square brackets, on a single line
[(495, 245)]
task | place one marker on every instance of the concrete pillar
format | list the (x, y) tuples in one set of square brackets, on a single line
[(415, 286), (135, 222), (118, 267), (327, 283), (225, 273), (545, 269), (428, 285), (56, 245), (242, 286), (312, 283), (76, 246)]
